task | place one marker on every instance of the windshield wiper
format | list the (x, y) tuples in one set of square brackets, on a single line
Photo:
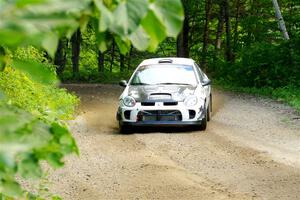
[(173, 84)]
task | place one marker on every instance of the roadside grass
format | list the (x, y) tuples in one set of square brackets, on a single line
[(287, 94)]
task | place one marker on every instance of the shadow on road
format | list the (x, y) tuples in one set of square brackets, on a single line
[(167, 130)]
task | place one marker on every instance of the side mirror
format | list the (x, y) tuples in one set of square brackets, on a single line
[(206, 82), (123, 83)]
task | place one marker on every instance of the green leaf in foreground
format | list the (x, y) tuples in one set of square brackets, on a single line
[(10, 188), (124, 46), (157, 33), (50, 43), (29, 167), (128, 15), (106, 18), (2, 96), (22, 3), (101, 41), (37, 71), (140, 39), (170, 13)]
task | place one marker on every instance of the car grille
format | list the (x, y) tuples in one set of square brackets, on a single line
[(192, 114), (148, 103), (160, 115), (127, 114), (168, 103)]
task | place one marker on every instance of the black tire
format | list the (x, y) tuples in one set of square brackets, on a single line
[(125, 129), (208, 113), (211, 105), (203, 124)]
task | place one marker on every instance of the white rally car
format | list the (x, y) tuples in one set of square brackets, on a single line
[(165, 92)]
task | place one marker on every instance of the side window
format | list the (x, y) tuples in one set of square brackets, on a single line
[(200, 73)]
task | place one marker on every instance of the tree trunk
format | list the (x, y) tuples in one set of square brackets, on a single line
[(76, 40), (129, 58), (208, 6), (112, 56), (60, 58), (122, 63), (183, 40), (2, 58), (229, 55), (236, 26), (100, 62), (291, 23), (280, 20), (220, 28)]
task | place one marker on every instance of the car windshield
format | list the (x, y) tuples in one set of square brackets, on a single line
[(164, 75)]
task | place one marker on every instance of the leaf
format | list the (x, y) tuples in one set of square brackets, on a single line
[(170, 13), (29, 167), (84, 20), (58, 130), (101, 41), (2, 96), (56, 198), (11, 120), (2, 58), (11, 38), (9, 124), (7, 159), (128, 15), (140, 39), (66, 141), (106, 17), (156, 32), (22, 3), (54, 159), (37, 71), (124, 46), (10, 188), (50, 43)]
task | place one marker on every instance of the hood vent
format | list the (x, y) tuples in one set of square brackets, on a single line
[(160, 96)]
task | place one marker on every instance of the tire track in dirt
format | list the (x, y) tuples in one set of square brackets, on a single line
[(242, 155)]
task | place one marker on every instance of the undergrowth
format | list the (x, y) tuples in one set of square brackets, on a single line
[(44, 101), (287, 94)]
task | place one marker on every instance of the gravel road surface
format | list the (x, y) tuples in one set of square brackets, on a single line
[(251, 150)]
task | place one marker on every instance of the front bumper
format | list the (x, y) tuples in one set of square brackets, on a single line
[(183, 117), (160, 123)]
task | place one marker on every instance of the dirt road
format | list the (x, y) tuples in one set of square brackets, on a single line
[(251, 150)]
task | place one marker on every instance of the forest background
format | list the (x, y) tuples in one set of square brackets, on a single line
[(238, 43)]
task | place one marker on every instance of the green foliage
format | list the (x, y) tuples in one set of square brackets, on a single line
[(263, 65), (287, 94), (44, 101), (129, 21), (34, 134), (31, 128), (120, 18), (25, 142), (92, 76)]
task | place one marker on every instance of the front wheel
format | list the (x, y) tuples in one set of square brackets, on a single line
[(125, 129), (203, 124), (208, 111)]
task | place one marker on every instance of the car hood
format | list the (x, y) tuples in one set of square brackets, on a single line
[(161, 92)]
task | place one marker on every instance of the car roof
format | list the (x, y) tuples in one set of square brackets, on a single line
[(168, 60)]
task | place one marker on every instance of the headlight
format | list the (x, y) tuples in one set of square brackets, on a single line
[(190, 101), (129, 101)]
